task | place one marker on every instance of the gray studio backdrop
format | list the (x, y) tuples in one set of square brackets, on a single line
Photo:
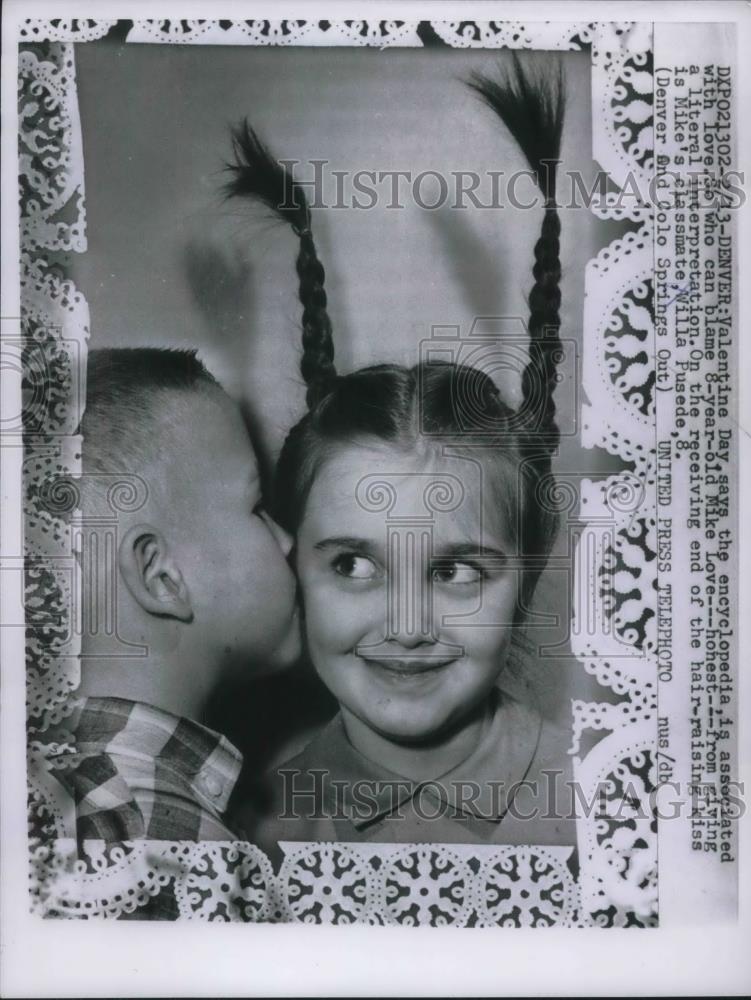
[(170, 263)]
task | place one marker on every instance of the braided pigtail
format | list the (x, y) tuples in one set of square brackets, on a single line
[(531, 107), (257, 174), (532, 110)]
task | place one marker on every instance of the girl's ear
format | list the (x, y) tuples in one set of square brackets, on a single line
[(151, 574)]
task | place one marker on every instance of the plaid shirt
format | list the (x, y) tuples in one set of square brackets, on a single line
[(138, 772)]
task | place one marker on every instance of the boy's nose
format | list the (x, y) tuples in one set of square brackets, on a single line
[(283, 539)]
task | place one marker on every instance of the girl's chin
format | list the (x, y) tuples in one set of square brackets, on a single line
[(408, 731)]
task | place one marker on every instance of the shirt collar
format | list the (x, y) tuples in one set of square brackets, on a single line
[(501, 760), (205, 760)]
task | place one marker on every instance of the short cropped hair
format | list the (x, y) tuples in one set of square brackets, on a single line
[(134, 397)]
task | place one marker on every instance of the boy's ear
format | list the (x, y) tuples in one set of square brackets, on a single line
[(152, 575)]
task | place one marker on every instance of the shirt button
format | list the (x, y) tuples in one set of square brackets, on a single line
[(212, 785)]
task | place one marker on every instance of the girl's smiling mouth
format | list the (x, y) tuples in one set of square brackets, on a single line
[(407, 669)]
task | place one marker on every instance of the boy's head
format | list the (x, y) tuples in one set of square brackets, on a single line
[(200, 550)]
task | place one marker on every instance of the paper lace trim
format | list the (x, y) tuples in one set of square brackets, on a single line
[(404, 885)]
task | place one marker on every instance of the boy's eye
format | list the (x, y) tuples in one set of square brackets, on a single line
[(457, 572), (355, 567)]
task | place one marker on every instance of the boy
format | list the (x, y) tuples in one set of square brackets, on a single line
[(202, 591)]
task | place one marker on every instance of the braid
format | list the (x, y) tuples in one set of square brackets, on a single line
[(532, 110), (539, 376), (257, 174), (317, 363)]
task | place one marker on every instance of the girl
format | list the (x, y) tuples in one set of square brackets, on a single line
[(414, 498)]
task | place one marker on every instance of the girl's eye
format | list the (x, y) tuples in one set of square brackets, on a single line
[(355, 567), (457, 572)]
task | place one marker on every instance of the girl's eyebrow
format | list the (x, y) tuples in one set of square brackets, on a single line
[(346, 542), (472, 550), (456, 550)]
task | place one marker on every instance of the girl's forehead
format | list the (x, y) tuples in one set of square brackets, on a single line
[(352, 467), (362, 485)]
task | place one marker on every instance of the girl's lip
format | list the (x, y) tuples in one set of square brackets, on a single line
[(409, 668)]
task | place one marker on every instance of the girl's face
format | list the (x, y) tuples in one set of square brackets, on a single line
[(409, 600)]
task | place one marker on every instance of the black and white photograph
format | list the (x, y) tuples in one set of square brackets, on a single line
[(371, 449)]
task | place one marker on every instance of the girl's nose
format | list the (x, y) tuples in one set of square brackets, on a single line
[(409, 599), (410, 639)]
